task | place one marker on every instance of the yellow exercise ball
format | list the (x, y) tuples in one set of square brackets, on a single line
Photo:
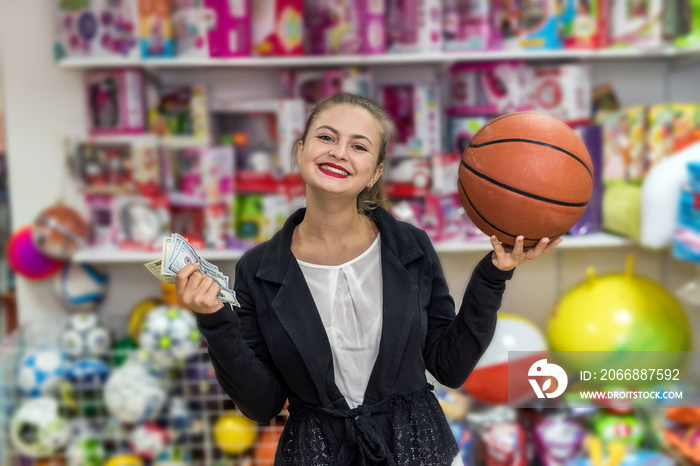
[(234, 433), (124, 460), (138, 314), (620, 312)]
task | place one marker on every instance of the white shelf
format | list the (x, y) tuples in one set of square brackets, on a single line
[(378, 60), (110, 255), (594, 240)]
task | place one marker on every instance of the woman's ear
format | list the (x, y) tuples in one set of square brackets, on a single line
[(300, 147), (378, 172)]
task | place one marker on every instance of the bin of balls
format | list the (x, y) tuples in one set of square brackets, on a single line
[(147, 398)]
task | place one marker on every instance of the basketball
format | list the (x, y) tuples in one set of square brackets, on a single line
[(59, 231), (525, 173)]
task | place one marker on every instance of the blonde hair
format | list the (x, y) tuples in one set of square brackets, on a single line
[(369, 198)]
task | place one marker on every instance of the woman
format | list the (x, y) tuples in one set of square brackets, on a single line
[(345, 308)]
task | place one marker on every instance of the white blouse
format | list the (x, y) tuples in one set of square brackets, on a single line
[(349, 299)]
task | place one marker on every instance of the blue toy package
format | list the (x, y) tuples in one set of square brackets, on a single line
[(686, 237)]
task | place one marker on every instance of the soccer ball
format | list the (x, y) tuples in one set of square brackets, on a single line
[(133, 394), (170, 334), (37, 429), (85, 451), (148, 440), (80, 287), (85, 335), (40, 371)]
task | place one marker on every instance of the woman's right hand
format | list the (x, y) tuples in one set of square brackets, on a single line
[(197, 290)]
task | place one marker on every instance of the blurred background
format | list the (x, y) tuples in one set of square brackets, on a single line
[(123, 121)]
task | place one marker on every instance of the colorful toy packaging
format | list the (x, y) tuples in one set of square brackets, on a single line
[(636, 23), (413, 26), (690, 35), (277, 27), (686, 241), (315, 85), (115, 102), (461, 129), (200, 176), (591, 220), (263, 134), (156, 37), (212, 28), (413, 106), (533, 25), (345, 27), (472, 25), (95, 28), (407, 176), (141, 221), (585, 24), (563, 91), (179, 112), (104, 168), (489, 88)]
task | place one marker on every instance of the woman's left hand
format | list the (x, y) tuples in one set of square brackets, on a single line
[(507, 258)]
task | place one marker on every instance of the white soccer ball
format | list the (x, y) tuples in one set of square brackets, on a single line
[(85, 335), (40, 371), (134, 394), (148, 440), (37, 429), (170, 335), (81, 287)]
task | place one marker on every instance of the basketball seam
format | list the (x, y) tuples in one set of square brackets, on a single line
[(539, 143), (522, 193), (498, 118), (464, 191)]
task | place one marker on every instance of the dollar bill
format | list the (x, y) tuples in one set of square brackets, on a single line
[(176, 253)]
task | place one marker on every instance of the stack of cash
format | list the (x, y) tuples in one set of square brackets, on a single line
[(177, 253)]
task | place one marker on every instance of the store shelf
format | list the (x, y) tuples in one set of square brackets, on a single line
[(110, 255), (594, 240), (379, 60)]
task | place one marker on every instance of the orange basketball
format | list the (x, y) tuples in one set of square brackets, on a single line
[(525, 173)]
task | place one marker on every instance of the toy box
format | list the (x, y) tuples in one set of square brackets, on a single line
[(101, 219), (200, 176), (472, 24), (277, 27), (315, 85), (624, 144), (257, 217), (591, 220), (413, 26), (489, 88), (414, 109), (141, 222), (445, 171), (147, 166), (95, 28), (179, 111), (104, 168), (345, 27), (207, 226), (636, 23), (461, 130), (445, 220), (263, 133), (533, 24), (585, 24), (115, 102), (563, 91), (156, 36), (212, 28), (407, 176), (689, 33)]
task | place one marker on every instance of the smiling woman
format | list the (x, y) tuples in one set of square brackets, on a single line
[(343, 310)]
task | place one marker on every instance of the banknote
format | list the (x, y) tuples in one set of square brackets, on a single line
[(176, 253)]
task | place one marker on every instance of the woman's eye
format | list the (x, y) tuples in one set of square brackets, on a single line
[(325, 138), (359, 147)]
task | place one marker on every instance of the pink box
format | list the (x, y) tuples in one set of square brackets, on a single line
[(278, 27), (472, 25), (414, 26), (357, 27), (212, 28), (115, 102)]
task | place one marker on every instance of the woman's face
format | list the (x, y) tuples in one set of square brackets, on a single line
[(341, 150)]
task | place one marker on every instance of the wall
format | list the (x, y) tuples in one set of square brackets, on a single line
[(44, 104)]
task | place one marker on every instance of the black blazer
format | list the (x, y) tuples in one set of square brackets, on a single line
[(274, 347)]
